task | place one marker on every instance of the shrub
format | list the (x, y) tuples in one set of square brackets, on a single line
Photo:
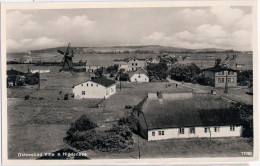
[(27, 97), (66, 96), (83, 136)]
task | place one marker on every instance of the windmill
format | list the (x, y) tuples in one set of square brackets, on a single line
[(67, 63)]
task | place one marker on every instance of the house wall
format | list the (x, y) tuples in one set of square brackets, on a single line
[(110, 91), (225, 76), (95, 91), (134, 63), (123, 66), (143, 78), (224, 131)]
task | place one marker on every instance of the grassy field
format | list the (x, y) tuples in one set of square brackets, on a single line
[(40, 125), (182, 148)]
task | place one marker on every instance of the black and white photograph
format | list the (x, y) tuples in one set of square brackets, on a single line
[(150, 81)]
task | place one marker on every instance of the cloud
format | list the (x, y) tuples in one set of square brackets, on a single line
[(203, 36), (194, 27), (26, 31), (30, 44)]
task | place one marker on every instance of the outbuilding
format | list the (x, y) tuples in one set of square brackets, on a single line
[(95, 88)]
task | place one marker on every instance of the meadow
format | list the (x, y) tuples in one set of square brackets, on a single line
[(40, 125)]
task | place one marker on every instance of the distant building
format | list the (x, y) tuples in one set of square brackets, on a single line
[(133, 63), (121, 64), (26, 59), (156, 60), (95, 88), (40, 71), (218, 76), (93, 64), (138, 76), (168, 116)]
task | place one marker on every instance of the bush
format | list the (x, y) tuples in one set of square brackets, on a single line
[(27, 97), (83, 136), (82, 124), (66, 96), (245, 78), (32, 79), (185, 72), (159, 71)]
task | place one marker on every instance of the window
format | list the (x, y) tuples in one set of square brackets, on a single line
[(159, 132), (232, 128), (220, 80), (97, 84), (216, 129), (153, 133), (192, 130), (112, 90), (83, 92), (205, 130), (91, 84), (230, 73), (132, 69), (162, 132), (107, 92), (81, 84), (87, 84), (181, 130), (133, 64), (221, 73), (139, 76), (228, 79)]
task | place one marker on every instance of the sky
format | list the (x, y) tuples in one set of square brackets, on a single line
[(194, 27)]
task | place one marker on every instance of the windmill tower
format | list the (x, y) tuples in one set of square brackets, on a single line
[(67, 63)]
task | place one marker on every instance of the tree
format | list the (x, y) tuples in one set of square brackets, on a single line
[(185, 72), (159, 70), (99, 72), (245, 78)]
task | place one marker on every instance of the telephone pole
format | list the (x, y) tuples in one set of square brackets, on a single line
[(226, 85)]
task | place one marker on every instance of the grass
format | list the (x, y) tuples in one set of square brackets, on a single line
[(183, 148), (40, 125)]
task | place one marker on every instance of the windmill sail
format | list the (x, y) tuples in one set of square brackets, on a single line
[(67, 63)]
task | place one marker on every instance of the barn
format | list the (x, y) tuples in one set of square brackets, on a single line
[(95, 88), (169, 116), (140, 75)]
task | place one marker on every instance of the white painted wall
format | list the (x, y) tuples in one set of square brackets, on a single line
[(40, 71), (143, 78), (224, 131), (93, 90)]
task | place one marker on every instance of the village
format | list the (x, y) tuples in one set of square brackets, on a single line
[(149, 104)]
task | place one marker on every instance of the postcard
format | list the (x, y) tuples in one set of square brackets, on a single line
[(129, 82)]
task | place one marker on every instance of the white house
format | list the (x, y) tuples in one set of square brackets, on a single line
[(95, 88), (168, 116), (139, 75)]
